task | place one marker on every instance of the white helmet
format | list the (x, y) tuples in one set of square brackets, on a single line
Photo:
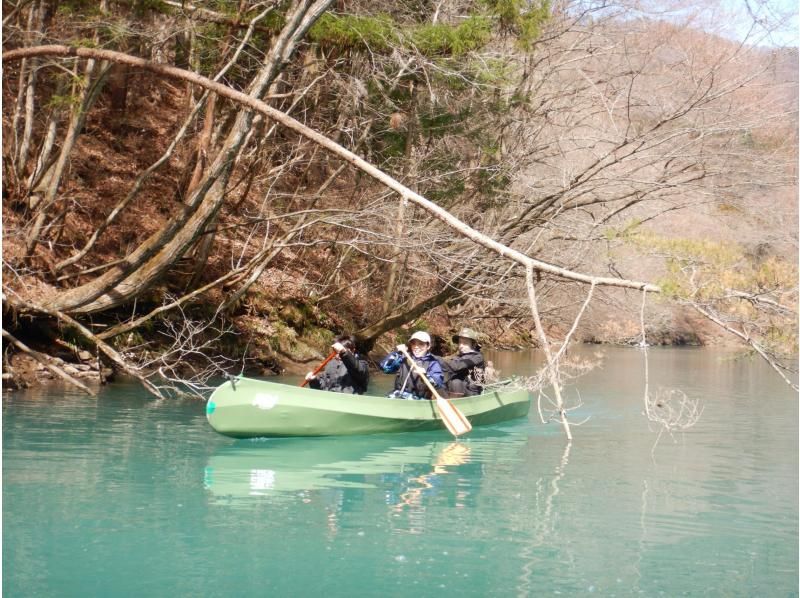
[(421, 336)]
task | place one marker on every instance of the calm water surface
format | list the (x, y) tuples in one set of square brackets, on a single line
[(121, 496)]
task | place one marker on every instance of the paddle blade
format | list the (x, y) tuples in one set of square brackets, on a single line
[(453, 419)]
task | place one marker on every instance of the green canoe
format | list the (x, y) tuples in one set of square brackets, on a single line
[(244, 408)]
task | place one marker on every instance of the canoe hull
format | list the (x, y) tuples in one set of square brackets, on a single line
[(250, 408)]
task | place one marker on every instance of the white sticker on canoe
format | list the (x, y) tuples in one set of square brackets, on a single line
[(265, 401)]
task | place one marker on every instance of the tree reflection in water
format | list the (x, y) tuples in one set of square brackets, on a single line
[(544, 526)]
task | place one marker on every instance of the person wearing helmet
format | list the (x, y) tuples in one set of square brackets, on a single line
[(348, 372), (408, 383), (465, 369)]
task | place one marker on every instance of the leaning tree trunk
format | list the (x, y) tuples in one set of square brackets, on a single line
[(203, 248), (367, 336), (51, 181), (440, 213), (158, 253)]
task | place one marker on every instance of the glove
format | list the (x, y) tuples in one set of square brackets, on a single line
[(391, 363)]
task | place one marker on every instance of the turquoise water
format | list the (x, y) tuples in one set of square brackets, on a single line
[(122, 496)]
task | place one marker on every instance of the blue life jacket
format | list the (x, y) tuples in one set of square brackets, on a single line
[(406, 380)]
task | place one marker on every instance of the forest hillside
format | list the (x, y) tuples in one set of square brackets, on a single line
[(156, 228)]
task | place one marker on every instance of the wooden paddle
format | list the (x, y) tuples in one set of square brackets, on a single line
[(455, 421), (322, 365)]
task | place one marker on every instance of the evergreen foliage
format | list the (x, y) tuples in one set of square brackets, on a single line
[(522, 18), (381, 33)]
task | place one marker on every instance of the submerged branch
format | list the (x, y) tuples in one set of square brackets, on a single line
[(552, 364)]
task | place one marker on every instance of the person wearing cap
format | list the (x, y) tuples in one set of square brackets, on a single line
[(348, 372), (465, 369), (408, 382)]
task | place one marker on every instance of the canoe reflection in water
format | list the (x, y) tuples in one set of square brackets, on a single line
[(407, 468), (452, 455)]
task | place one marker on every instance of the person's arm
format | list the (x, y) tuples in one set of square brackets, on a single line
[(316, 382), (357, 368), (463, 363), (435, 374), (457, 364)]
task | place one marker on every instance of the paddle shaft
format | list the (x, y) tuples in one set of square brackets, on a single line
[(456, 422), (322, 365), (413, 365)]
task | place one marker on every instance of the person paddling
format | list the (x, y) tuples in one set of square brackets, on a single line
[(348, 372), (408, 384)]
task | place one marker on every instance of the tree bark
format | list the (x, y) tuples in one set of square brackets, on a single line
[(118, 88), (409, 168), (368, 336)]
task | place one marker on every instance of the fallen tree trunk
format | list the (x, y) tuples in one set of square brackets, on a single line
[(25, 306), (45, 361)]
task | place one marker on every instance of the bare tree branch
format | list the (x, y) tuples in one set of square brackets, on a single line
[(338, 150)]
